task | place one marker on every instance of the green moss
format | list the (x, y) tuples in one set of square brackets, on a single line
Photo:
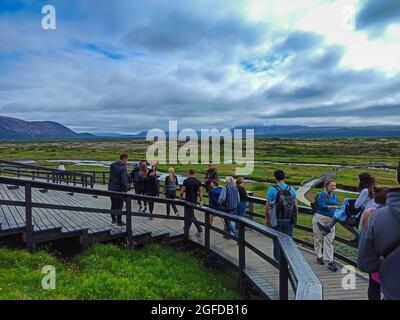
[(109, 272)]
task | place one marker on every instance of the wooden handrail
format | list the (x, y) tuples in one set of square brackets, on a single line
[(307, 285)]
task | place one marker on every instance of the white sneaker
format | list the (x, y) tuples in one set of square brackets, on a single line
[(177, 213)]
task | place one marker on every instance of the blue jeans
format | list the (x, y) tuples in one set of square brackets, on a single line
[(285, 227), (241, 209), (230, 226)]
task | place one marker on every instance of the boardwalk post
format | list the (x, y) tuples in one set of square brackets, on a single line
[(206, 237), (128, 201), (104, 177), (30, 245), (283, 277), (251, 206), (187, 221), (242, 259), (93, 180)]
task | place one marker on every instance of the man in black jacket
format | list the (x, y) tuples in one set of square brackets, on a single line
[(119, 182)]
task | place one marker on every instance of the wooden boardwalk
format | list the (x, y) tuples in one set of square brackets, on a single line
[(98, 228)]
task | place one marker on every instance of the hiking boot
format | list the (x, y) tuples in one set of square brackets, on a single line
[(121, 224), (324, 229), (333, 266), (320, 261), (114, 222)]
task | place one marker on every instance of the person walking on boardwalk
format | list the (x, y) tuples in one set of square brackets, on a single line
[(140, 184), (170, 184), (229, 200), (326, 203), (190, 191), (374, 288), (281, 208), (379, 249), (151, 189), (211, 174), (241, 210), (61, 167), (213, 197), (119, 182)]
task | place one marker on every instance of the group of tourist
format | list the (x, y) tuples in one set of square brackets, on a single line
[(374, 217)]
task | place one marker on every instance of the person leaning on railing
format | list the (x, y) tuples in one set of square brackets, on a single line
[(119, 182)]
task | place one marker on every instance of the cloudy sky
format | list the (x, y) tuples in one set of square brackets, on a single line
[(126, 66)]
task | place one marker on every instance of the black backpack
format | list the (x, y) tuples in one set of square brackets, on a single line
[(285, 203)]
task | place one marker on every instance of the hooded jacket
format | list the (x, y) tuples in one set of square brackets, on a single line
[(381, 233), (119, 179)]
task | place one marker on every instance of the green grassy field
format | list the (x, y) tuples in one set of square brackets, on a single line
[(109, 272), (326, 151)]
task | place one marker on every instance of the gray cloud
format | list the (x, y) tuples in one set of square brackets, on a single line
[(374, 16), (195, 62)]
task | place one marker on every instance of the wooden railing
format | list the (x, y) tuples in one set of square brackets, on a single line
[(11, 168), (292, 266), (306, 211), (346, 255)]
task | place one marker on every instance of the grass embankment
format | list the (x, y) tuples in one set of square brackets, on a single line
[(109, 272)]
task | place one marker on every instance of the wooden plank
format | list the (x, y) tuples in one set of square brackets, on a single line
[(15, 218), (38, 220)]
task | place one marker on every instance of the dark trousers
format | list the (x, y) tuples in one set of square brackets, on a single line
[(285, 227), (117, 204), (193, 219), (171, 194), (151, 206), (374, 290), (141, 192)]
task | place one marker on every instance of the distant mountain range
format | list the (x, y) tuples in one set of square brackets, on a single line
[(326, 132), (16, 129)]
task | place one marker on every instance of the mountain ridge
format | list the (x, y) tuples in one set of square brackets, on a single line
[(17, 129)]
